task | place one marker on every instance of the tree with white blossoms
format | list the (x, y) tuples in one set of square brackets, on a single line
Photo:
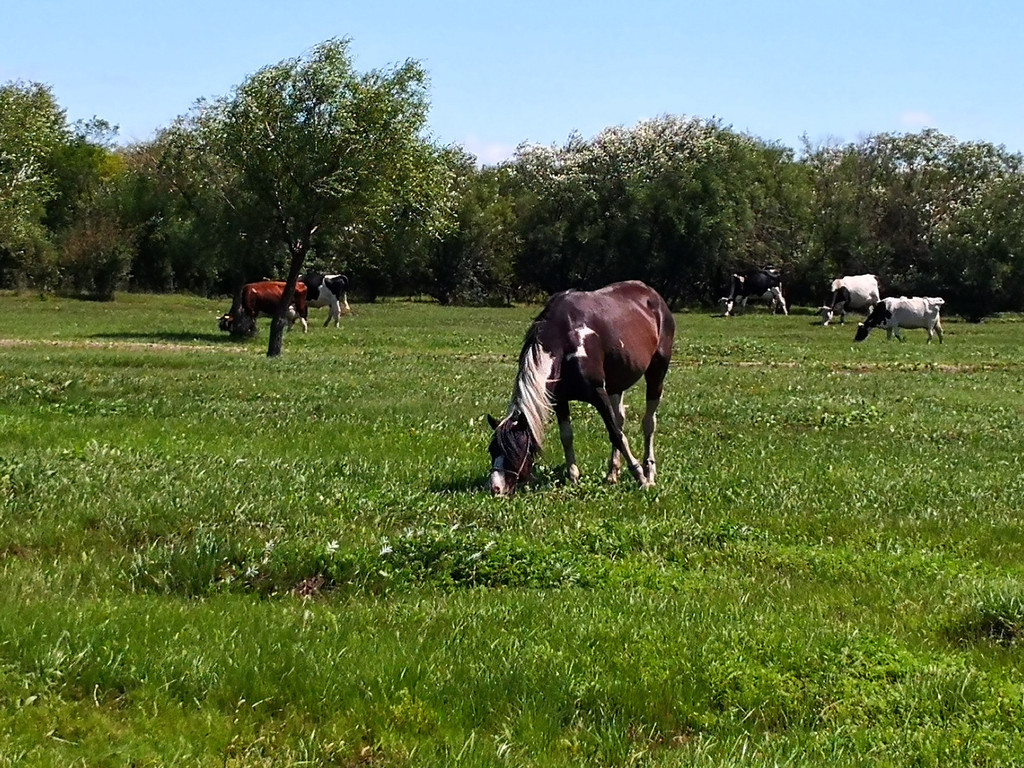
[(674, 201)]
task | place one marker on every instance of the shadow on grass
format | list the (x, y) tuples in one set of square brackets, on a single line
[(544, 480), (474, 483), (169, 337)]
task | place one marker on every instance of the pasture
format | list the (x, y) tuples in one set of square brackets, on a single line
[(210, 558)]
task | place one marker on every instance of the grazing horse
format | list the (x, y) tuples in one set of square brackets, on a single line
[(589, 346)]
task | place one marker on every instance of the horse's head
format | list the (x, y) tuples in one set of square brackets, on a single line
[(512, 450)]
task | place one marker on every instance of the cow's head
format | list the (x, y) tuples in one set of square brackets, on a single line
[(878, 317), (826, 315), (238, 323)]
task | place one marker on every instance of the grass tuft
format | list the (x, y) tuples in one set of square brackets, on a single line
[(997, 615)]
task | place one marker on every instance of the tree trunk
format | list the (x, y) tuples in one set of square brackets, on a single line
[(280, 320)]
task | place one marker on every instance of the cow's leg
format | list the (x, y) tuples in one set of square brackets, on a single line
[(603, 403), (842, 314), (565, 433), (615, 460), (333, 312), (938, 330), (780, 299), (344, 303)]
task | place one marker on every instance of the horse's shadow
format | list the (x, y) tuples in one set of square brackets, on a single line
[(468, 483), (545, 479)]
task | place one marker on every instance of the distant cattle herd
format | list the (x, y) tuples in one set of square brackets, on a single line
[(859, 293), (851, 292)]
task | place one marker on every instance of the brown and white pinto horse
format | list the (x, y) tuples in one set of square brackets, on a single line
[(589, 346)]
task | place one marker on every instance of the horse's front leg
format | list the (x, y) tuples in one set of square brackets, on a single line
[(613, 418), (565, 432)]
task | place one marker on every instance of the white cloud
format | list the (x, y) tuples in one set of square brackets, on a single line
[(488, 153), (912, 119)]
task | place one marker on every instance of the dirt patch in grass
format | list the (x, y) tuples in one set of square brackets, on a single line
[(159, 346)]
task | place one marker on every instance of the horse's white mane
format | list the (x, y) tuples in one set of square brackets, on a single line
[(530, 394)]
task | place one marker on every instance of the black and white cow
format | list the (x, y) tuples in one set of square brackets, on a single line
[(858, 292), (893, 314), (328, 291), (755, 284)]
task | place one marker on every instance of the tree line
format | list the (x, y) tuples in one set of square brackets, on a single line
[(310, 164)]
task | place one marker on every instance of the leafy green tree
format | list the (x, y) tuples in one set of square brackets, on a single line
[(924, 212), (474, 262), (980, 252), (310, 148), (87, 216), (32, 129)]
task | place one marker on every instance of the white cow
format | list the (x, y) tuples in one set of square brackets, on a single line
[(893, 314), (850, 292)]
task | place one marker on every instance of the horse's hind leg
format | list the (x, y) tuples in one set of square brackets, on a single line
[(655, 377), (615, 460), (650, 425)]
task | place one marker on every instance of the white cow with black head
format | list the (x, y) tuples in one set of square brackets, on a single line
[(893, 314)]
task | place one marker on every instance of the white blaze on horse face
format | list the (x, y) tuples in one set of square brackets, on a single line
[(579, 335), (498, 486)]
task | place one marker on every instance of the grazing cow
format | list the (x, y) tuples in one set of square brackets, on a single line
[(263, 299), (755, 284), (850, 292), (589, 346), (893, 314), (327, 291)]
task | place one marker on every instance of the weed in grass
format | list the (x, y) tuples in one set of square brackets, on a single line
[(994, 614)]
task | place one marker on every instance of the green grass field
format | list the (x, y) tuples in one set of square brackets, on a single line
[(210, 558)]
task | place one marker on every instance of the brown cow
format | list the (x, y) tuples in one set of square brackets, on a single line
[(263, 299)]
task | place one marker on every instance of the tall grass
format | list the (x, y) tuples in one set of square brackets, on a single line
[(212, 558)]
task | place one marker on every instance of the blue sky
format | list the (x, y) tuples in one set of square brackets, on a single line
[(502, 73)]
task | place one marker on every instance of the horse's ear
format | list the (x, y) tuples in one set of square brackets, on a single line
[(492, 421)]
